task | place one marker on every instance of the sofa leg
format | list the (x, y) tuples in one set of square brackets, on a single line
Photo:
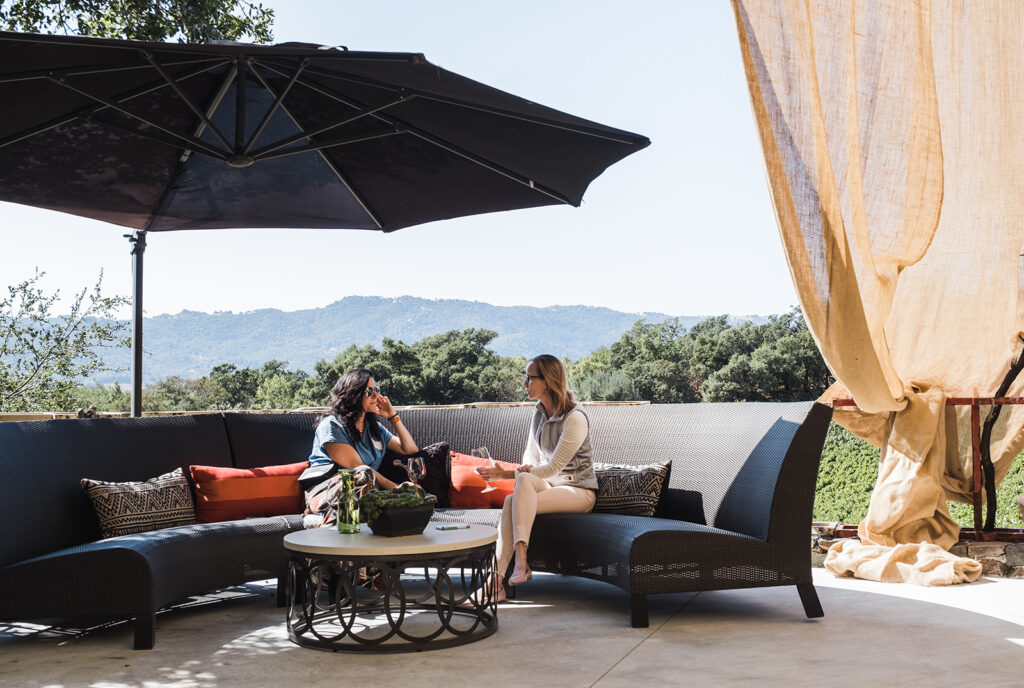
[(809, 597), (638, 611), (145, 631)]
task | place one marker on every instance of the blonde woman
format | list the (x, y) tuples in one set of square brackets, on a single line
[(556, 474)]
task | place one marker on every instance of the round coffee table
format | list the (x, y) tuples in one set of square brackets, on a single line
[(367, 593)]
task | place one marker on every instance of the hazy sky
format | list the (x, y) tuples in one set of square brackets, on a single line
[(683, 227)]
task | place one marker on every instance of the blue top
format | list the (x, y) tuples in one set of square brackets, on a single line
[(330, 429)]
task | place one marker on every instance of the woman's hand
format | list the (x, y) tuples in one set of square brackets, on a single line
[(384, 407), (489, 473)]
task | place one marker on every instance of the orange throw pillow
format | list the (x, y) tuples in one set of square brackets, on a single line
[(466, 491), (228, 494)]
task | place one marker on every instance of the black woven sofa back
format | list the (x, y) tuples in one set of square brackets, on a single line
[(726, 458), (44, 508), (502, 429), (266, 439)]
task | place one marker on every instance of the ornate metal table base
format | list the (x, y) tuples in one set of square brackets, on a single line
[(419, 602)]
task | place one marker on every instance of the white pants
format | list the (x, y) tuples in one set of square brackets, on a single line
[(533, 496)]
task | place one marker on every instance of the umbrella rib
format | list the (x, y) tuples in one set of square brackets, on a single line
[(188, 101), (152, 136), (229, 76), (629, 139), (241, 86), (490, 165), (90, 109), (348, 185), (196, 144), (331, 144), (277, 103), (263, 152), (624, 137), (327, 161), (95, 69), (446, 145)]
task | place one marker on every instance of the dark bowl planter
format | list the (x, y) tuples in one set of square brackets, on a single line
[(402, 521)]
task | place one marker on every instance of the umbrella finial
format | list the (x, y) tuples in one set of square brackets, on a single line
[(240, 160)]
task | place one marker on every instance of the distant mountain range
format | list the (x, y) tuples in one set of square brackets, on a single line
[(190, 343)]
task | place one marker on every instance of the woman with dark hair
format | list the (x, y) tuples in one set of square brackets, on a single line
[(556, 475), (351, 435)]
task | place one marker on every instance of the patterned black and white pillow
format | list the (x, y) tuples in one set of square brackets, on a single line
[(135, 507), (632, 490)]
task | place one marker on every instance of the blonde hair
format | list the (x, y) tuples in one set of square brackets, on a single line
[(551, 369)]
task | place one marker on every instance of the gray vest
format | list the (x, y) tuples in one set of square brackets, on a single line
[(579, 472)]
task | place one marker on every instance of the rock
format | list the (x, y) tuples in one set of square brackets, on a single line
[(1017, 572), (959, 549), (826, 528), (1015, 554), (818, 559), (989, 550), (824, 543), (993, 567)]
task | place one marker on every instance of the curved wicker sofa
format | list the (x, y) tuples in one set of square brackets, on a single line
[(735, 514)]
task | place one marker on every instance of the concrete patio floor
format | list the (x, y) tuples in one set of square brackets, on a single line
[(565, 631)]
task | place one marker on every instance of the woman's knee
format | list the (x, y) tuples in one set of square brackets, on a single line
[(527, 480)]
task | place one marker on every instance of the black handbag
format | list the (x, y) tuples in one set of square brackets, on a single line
[(316, 474)]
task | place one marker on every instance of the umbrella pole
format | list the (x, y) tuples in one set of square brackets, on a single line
[(138, 242)]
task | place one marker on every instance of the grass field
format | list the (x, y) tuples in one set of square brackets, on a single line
[(849, 468)]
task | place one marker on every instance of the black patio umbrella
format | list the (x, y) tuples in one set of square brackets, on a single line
[(162, 136)]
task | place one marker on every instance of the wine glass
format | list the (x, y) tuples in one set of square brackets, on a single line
[(481, 452)]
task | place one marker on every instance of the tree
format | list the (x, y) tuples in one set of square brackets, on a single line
[(103, 397), (43, 355), (459, 367), (240, 384), (176, 393), (398, 371), (778, 362), (281, 391), (656, 358), (598, 361), (326, 373), (191, 21), (606, 385)]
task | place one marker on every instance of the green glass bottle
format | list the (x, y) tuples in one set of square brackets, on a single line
[(348, 503)]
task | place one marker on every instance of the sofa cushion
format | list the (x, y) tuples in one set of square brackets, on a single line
[(467, 487), (633, 490), (135, 507), (227, 494)]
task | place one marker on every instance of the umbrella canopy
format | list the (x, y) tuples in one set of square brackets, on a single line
[(160, 136)]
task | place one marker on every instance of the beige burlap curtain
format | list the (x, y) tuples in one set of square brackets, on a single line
[(893, 135)]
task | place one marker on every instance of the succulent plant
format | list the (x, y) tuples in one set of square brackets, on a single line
[(405, 496)]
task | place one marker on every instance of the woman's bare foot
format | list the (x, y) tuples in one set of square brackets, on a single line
[(521, 573)]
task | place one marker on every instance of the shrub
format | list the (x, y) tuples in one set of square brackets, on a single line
[(849, 469)]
